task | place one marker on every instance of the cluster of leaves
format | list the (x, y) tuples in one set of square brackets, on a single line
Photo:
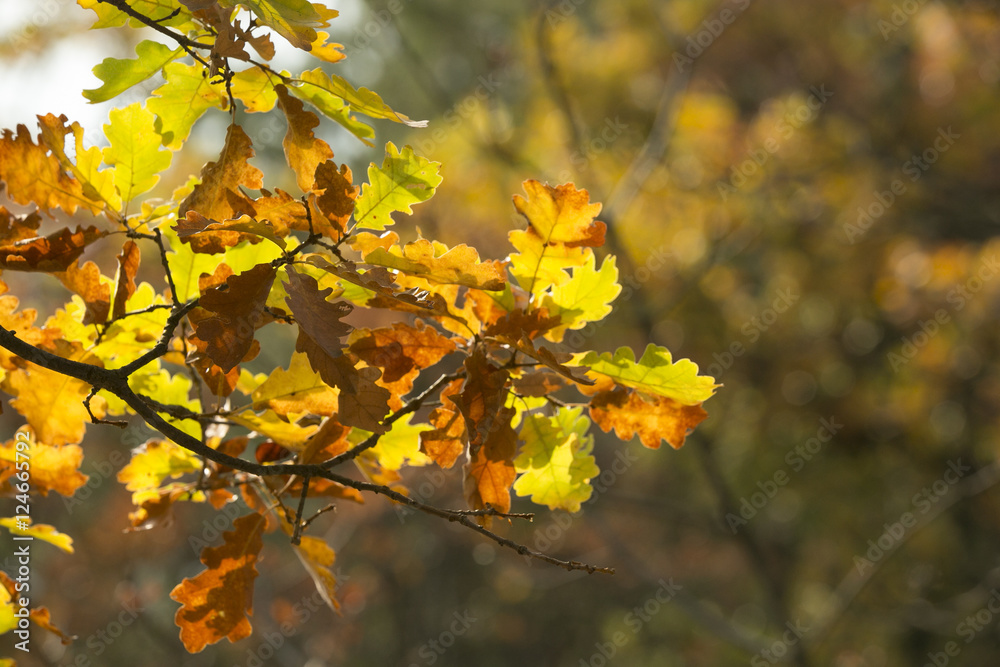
[(471, 370)]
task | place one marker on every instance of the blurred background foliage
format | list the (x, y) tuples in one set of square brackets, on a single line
[(749, 189)]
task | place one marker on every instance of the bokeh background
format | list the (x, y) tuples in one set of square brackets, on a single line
[(804, 200)]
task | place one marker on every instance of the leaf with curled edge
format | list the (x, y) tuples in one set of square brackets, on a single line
[(656, 419), (376, 280), (218, 602), (318, 557), (438, 263), (303, 150), (234, 315), (209, 236), (50, 254)]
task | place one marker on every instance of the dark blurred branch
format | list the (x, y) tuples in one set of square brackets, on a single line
[(774, 585)]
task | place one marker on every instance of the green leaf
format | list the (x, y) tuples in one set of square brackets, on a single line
[(255, 88), (655, 373), (555, 463), (315, 87), (135, 151), (585, 298), (120, 75), (294, 20), (400, 446), (404, 179), (185, 97)]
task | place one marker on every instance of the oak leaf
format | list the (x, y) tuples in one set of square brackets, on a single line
[(660, 418), (218, 601), (234, 315)]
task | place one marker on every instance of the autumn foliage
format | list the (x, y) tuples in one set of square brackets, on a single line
[(471, 373)]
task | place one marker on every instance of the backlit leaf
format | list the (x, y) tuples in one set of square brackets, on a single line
[(135, 151), (555, 462), (234, 315), (53, 468), (120, 75), (218, 601), (403, 180), (659, 418), (439, 263), (182, 100), (655, 373), (39, 531)]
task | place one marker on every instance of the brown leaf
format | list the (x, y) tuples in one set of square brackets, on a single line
[(281, 210), (303, 151), (399, 349), (219, 600), (128, 265), (236, 314), (538, 383), (55, 252), (662, 418), (218, 196), (317, 318), (515, 324), (336, 203)]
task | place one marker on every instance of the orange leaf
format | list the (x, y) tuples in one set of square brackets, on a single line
[(303, 150), (33, 175), (281, 210), (236, 314), (561, 215), (128, 265), (218, 196), (219, 600), (14, 228), (490, 472), (629, 414), (86, 281), (446, 442)]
